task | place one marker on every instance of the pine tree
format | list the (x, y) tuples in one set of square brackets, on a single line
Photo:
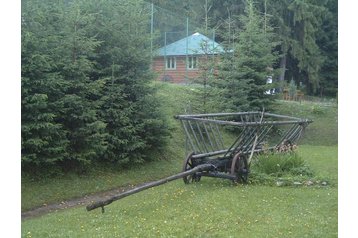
[(86, 93), (129, 106), (79, 117), (307, 18), (298, 27), (246, 68), (43, 138), (327, 41)]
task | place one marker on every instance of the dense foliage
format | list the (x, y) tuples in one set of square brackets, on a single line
[(248, 63), (86, 93), (279, 164)]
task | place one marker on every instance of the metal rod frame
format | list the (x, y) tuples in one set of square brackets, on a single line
[(208, 127)]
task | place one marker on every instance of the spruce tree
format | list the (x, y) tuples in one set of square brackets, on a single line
[(307, 18), (86, 93), (79, 117), (130, 109), (327, 41), (299, 25), (43, 138), (246, 68)]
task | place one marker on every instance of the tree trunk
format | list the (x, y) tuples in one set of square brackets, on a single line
[(283, 67), (281, 78)]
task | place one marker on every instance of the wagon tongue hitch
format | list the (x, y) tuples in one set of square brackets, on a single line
[(138, 189), (209, 155)]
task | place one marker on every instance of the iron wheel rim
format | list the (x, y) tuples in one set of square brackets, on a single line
[(188, 164)]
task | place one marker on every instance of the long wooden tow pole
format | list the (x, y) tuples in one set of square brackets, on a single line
[(108, 201)]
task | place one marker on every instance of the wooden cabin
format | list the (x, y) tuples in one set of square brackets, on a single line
[(180, 61)]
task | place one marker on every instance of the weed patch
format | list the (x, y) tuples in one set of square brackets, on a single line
[(281, 169), (279, 164)]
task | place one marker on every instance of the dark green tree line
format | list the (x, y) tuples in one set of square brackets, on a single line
[(306, 29)]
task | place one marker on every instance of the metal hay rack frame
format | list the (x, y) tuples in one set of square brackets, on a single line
[(256, 132)]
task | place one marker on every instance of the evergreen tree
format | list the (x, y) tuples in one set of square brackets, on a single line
[(307, 18), (246, 68), (86, 93), (327, 41), (130, 109), (209, 95), (80, 118), (44, 140), (299, 23)]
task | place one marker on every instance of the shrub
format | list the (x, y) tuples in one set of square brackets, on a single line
[(279, 164), (292, 89), (318, 110)]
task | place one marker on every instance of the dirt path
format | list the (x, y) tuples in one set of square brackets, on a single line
[(42, 210)]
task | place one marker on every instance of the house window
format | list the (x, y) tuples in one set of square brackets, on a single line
[(192, 62), (171, 63)]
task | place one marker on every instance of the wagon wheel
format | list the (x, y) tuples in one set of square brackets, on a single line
[(188, 164), (240, 168)]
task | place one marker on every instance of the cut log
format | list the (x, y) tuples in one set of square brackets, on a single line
[(108, 201)]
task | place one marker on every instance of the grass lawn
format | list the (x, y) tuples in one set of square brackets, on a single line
[(210, 208)]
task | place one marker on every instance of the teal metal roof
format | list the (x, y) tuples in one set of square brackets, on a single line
[(196, 46)]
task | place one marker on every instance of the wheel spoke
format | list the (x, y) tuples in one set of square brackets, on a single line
[(188, 164)]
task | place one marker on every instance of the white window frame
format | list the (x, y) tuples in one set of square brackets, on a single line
[(192, 62), (171, 62)]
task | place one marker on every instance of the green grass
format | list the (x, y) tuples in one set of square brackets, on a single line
[(323, 130), (323, 160), (36, 193), (210, 208)]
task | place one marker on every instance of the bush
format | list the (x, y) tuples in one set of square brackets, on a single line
[(318, 110), (292, 89), (280, 164)]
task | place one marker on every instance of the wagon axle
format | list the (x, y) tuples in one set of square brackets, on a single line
[(233, 169)]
